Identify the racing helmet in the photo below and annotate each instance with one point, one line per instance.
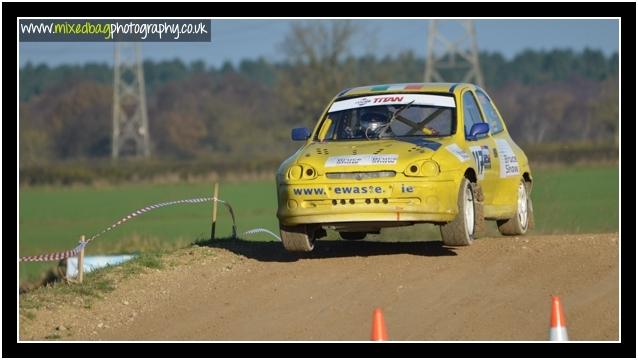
(373, 119)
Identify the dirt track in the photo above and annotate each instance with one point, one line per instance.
(497, 289)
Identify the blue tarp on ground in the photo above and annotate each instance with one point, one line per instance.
(94, 262)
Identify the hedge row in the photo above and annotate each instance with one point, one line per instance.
(107, 171)
(70, 173)
(571, 153)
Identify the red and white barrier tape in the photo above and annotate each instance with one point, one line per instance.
(57, 255)
(262, 230)
(70, 253)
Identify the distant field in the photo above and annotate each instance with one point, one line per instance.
(567, 200)
(576, 200)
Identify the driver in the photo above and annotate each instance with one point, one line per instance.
(371, 122)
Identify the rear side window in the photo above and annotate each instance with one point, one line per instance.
(471, 113)
(490, 112)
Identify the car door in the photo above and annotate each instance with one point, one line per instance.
(509, 176)
(481, 150)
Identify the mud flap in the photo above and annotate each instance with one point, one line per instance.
(479, 225)
(530, 207)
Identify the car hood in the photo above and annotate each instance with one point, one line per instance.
(375, 155)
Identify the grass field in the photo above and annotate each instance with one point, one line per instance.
(576, 200)
(566, 200)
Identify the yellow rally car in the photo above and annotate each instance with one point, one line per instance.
(400, 154)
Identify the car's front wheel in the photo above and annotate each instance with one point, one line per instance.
(299, 238)
(523, 218)
(460, 231)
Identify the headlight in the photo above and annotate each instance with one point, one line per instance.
(308, 172)
(422, 168)
(413, 170)
(303, 171)
(294, 173)
(430, 168)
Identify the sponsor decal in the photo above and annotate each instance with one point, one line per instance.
(482, 158)
(507, 158)
(458, 152)
(393, 99)
(407, 189)
(340, 190)
(487, 159)
(362, 101)
(363, 159)
(385, 99)
(308, 191)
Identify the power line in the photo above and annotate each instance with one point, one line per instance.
(130, 119)
(458, 54)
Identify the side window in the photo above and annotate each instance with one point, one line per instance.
(471, 113)
(496, 125)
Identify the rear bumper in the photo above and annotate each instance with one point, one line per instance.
(400, 201)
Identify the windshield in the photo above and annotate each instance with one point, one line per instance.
(405, 116)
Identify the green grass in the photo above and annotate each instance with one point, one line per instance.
(95, 286)
(582, 199)
(30, 315)
(53, 219)
(152, 261)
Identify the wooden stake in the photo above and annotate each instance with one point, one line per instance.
(81, 263)
(212, 227)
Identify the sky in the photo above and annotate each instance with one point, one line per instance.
(234, 40)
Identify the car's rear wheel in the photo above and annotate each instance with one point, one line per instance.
(349, 235)
(299, 238)
(460, 231)
(524, 216)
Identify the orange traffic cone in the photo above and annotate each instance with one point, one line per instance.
(379, 332)
(558, 327)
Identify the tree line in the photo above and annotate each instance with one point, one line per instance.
(245, 112)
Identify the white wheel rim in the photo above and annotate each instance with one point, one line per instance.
(522, 206)
(468, 205)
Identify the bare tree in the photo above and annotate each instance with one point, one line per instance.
(319, 42)
(317, 51)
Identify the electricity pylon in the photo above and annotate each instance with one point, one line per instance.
(444, 54)
(130, 119)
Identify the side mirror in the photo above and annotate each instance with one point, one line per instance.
(300, 134)
(478, 130)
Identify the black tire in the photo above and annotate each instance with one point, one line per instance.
(457, 232)
(352, 235)
(298, 238)
(519, 224)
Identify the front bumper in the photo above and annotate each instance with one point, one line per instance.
(406, 200)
